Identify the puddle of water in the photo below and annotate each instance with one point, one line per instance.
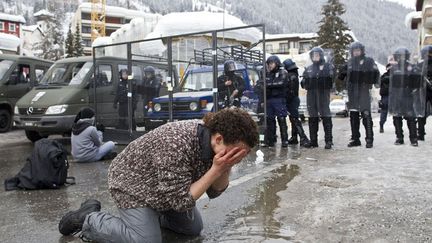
(256, 222)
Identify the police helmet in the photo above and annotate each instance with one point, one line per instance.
(229, 67)
(149, 71)
(318, 50)
(290, 65)
(426, 52)
(357, 45)
(401, 53)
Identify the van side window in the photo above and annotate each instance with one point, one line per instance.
(21, 74)
(104, 76)
(136, 72)
(40, 72)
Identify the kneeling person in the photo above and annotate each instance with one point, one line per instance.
(157, 179)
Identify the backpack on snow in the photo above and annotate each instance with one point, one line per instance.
(46, 168)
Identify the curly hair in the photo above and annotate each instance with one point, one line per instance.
(235, 125)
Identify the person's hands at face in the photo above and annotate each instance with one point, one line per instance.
(228, 155)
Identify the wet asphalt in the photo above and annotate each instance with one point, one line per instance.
(295, 195)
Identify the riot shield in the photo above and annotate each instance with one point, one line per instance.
(407, 91)
(318, 82)
(361, 73)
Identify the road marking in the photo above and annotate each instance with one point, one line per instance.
(249, 177)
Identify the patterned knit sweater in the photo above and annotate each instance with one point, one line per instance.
(157, 169)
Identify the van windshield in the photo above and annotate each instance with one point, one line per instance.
(63, 73)
(4, 67)
(198, 81)
(82, 73)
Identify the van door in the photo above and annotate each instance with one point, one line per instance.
(18, 82)
(105, 93)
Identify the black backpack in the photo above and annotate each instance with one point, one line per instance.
(46, 168)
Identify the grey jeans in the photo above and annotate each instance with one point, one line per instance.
(140, 225)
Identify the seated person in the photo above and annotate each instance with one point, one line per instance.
(86, 141)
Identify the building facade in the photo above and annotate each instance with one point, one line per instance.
(10, 33)
(115, 18)
(11, 24)
(290, 44)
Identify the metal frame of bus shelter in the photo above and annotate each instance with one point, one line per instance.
(168, 41)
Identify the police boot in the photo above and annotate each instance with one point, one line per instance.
(304, 140)
(313, 131)
(412, 128)
(421, 128)
(397, 122)
(355, 129)
(368, 124)
(328, 137)
(283, 131)
(269, 137)
(293, 139)
(381, 128)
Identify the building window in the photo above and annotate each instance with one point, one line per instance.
(12, 27)
(85, 16)
(87, 43)
(86, 30)
(2, 26)
(284, 47)
(304, 47)
(269, 48)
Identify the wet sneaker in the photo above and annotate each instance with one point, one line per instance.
(73, 221)
(354, 143)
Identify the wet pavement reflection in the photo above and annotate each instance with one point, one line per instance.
(256, 222)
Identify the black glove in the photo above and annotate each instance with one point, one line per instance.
(100, 127)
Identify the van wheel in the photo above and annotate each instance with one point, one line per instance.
(5, 121)
(33, 135)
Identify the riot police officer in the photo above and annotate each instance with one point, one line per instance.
(426, 69)
(318, 81)
(121, 99)
(276, 86)
(230, 86)
(293, 103)
(360, 73)
(150, 87)
(384, 93)
(406, 95)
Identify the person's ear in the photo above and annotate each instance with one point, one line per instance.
(219, 139)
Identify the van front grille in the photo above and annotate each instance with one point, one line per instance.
(31, 111)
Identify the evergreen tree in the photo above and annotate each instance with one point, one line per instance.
(77, 42)
(69, 43)
(51, 46)
(333, 33)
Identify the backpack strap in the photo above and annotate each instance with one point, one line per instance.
(70, 180)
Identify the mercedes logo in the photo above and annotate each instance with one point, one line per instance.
(29, 110)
